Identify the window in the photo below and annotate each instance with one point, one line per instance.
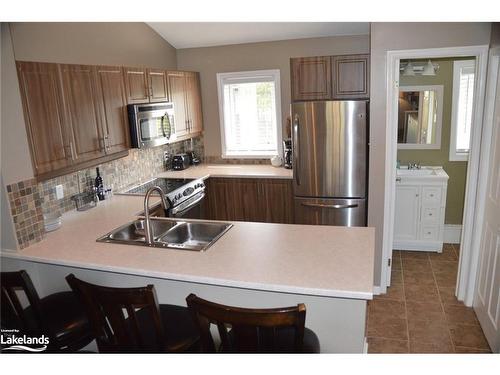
(462, 108)
(250, 114)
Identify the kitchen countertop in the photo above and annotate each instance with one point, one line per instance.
(313, 260)
(231, 170)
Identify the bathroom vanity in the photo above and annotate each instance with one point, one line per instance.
(420, 208)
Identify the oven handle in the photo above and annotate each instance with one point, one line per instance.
(181, 208)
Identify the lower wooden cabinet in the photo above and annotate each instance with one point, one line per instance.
(250, 199)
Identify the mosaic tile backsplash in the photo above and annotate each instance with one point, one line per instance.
(30, 200)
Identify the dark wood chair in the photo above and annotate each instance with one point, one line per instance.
(130, 320)
(243, 330)
(59, 316)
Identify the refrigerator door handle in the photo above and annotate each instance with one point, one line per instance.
(296, 169)
(319, 205)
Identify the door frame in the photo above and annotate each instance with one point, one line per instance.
(469, 238)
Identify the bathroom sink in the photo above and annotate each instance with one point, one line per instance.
(168, 233)
(194, 235)
(416, 172)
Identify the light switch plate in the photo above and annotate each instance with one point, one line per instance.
(59, 192)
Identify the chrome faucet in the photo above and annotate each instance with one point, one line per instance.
(412, 165)
(147, 225)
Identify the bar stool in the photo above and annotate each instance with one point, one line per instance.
(130, 320)
(59, 316)
(243, 330)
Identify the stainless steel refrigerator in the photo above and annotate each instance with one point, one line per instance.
(330, 158)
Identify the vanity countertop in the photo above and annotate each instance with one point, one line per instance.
(434, 173)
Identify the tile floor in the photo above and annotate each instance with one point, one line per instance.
(419, 313)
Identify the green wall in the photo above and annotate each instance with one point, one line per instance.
(457, 170)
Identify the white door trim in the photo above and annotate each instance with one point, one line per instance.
(468, 253)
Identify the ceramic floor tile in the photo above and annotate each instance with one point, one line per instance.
(421, 293)
(385, 327)
(425, 311)
(470, 336)
(448, 254)
(418, 277)
(447, 295)
(428, 331)
(387, 308)
(445, 279)
(396, 277)
(460, 314)
(441, 266)
(394, 292)
(462, 349)
(419, 265)
(415, 255)
(431, 348)
(382, 345)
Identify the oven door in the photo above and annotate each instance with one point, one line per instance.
(192, 208)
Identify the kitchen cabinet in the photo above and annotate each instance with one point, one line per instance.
(350, 77)
(145, 85)
(419, 212)
(44, 116)
(75, 116)
(184, 90)
(311, 78)
(111, 88)
(82, 110)
(330, 77)
(250, 199)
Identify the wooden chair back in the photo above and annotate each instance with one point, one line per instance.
(244, 330)
(13, 312)
(112, 313)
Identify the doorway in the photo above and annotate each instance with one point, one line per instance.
(428, 137)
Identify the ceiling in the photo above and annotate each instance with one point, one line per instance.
(206, 34)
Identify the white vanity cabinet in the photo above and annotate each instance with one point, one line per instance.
(420, 208)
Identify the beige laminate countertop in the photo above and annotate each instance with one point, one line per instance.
(314, 260)
(231, 170)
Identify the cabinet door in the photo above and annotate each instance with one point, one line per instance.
(177, 91)
(157, 80)
(43, 111)
(351, 77)
(406, 215)
(276, 197)
(114, 108)
(311, 78)
(193, 98)
(136, 85)
(83, 111)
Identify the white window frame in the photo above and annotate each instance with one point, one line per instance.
(457, 66)
(249, 76)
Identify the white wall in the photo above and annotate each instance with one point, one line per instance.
(398, 36)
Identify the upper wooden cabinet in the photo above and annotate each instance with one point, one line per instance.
(111, 88)
(184, 90)
(351, 76)
(145, 85)
(311, 78)
(43, 111)
(83, 112)
(330, 77)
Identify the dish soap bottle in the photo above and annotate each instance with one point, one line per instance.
(99, 186)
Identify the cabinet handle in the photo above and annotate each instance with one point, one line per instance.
(432, 195)
(337, 206)
(398, 179)
(416, 195)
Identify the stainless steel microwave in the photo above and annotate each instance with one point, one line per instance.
(151, 124)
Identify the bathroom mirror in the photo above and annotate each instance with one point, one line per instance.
(420, 111)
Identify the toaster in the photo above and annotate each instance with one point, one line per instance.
(180, 162)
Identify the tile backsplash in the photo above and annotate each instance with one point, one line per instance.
(30, 200)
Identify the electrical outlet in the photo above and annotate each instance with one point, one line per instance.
(59, 192)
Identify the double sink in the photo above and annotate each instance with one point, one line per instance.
(168, 233)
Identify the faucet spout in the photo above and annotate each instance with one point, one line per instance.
(147, 224)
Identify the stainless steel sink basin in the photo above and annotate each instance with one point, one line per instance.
(168, 233)
(194, 235)
(134, 231)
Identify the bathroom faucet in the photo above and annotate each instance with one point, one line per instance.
(147, 224)
(412, 165)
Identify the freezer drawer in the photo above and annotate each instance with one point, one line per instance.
(341, 212)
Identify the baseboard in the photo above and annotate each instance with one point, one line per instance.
(376, 290)
(365, 346)
(452, 233)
